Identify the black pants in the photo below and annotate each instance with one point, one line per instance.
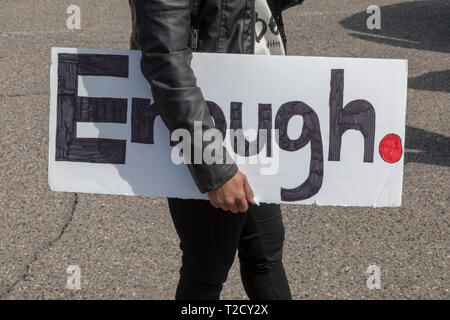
(209, 238)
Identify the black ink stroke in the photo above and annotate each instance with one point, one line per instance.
(357, 114)
(71, 109)
(310, 134)
(220, 121)
(143, 116)
(264, 122)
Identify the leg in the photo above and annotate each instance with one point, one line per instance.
(209, 238)
(260, 254)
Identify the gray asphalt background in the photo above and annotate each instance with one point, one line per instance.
(127, 247)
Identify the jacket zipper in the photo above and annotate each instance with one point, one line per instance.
(193, 43)
(194, 39)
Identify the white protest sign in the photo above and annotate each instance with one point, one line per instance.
(338, 126)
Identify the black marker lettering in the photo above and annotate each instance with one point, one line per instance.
(310, 133)
(357, 114)
(71, 108)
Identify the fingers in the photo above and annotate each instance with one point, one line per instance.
(226, 205)
(240, 205)
(248, 191)
(235, 205)
(243, 204)
(214, 204)
(233, 196)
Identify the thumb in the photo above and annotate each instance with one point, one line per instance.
(248, 191)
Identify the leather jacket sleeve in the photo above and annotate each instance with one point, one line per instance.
(162, 34)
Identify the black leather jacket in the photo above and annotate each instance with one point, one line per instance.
(166, 32)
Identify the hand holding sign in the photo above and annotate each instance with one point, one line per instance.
(234, 195)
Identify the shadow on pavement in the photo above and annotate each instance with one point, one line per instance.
(431, 147)
(423, 25)
(431, 81)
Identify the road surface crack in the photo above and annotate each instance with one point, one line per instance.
(26, 274)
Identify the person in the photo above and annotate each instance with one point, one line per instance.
(211, 232)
